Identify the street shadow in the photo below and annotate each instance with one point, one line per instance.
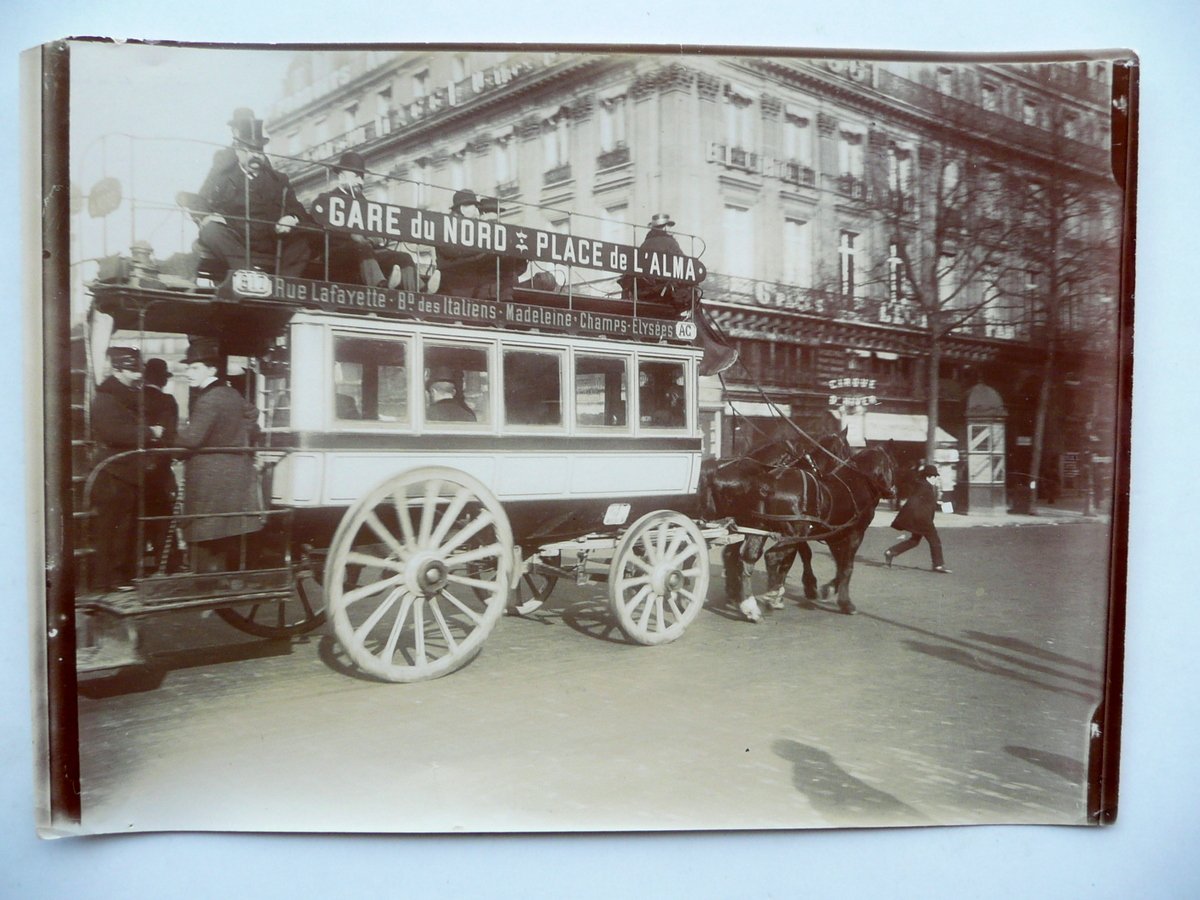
(1019, 646)
(334, 656)
(137, 679)
(835, 793)
(594, 618)
(1068, 769)
(969, 660)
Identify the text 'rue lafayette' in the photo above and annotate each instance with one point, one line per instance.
(401, 223)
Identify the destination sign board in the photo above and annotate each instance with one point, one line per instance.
(364, 300)
(401, 223)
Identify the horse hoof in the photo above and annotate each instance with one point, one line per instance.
(749, 609)
(775, 601)
(847, 609)
(825, 592)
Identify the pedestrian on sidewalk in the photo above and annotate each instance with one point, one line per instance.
(916, 517)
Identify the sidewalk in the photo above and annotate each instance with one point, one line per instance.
(1065, 512)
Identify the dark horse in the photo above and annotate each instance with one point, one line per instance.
(827, 498)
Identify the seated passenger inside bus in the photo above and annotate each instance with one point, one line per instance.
(444, 401)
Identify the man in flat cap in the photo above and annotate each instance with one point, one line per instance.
(118, 425)
(217, 483)
(248, 214)
(352, 258)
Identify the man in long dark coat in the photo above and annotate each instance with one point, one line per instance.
(651, 287)
(118, 428)
(161, 489)
(916, 517)
(216, 483)
(244, 204)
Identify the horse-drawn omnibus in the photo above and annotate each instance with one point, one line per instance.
(574, 452)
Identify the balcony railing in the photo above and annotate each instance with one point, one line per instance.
(795, 173)
(851, 186)
(617, 156)
(557, 175)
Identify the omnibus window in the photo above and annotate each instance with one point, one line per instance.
(456, 384)
(532, 388)
(661, 393)
(600, 391)
(370, 378)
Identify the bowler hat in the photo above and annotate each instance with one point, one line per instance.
(157, 372)
(929, 471)
(442, 373)
(491, 205)
(205, 350)
(249, 133)
(661, 220)
(127, 358)
(463, 198)
(351, 162)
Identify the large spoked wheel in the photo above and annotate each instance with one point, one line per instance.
(418, 574)
(280, 619)
(659, 577)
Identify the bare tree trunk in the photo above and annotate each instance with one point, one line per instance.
(1039, 424)
(934, 398)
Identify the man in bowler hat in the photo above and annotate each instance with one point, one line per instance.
(650, 287)
(465, 272)
(119, 426)
(352, 258)
(916, 517)
(248, 214)
(217, 483)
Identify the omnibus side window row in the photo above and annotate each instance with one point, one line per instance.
(371, 378)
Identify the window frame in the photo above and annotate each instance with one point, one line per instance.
(559, 351)
(689, 393)
(627, 357)
(444, 340)
(406, 339)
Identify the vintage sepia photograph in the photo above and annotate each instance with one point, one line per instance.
(543, 439)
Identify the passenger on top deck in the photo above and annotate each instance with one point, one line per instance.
(353, 258)
(248, 213)
(466, 272)
(650, 287)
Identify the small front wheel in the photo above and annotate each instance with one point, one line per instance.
(658, 580)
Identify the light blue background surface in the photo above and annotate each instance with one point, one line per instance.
(1150, 852)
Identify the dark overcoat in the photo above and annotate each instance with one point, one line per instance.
(916, 515)
(116, 427)
(263, 200)
(219, 482)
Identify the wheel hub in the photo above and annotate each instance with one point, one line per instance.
(426, 574)
(666, 580)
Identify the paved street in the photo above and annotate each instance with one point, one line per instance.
(962, 698)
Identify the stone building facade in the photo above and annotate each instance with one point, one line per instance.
(805, 185)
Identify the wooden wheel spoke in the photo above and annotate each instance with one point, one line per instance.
(470, 556)
(420, 657)
(429, 503)
(647, 608)
(351, 597)
(381, 531)
(449, 516)
(468, 531)
(671, 597)
(389, 648)
(443, 625)
(637, 598)
(462, 607)
(361, 632)
(679, 537)
(635, 580)
(405, 518)
(356, 558)
(471, 582)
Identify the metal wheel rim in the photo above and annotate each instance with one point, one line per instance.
(659, 576)
(425, 593)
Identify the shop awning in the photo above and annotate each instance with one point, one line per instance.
(901, 427)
